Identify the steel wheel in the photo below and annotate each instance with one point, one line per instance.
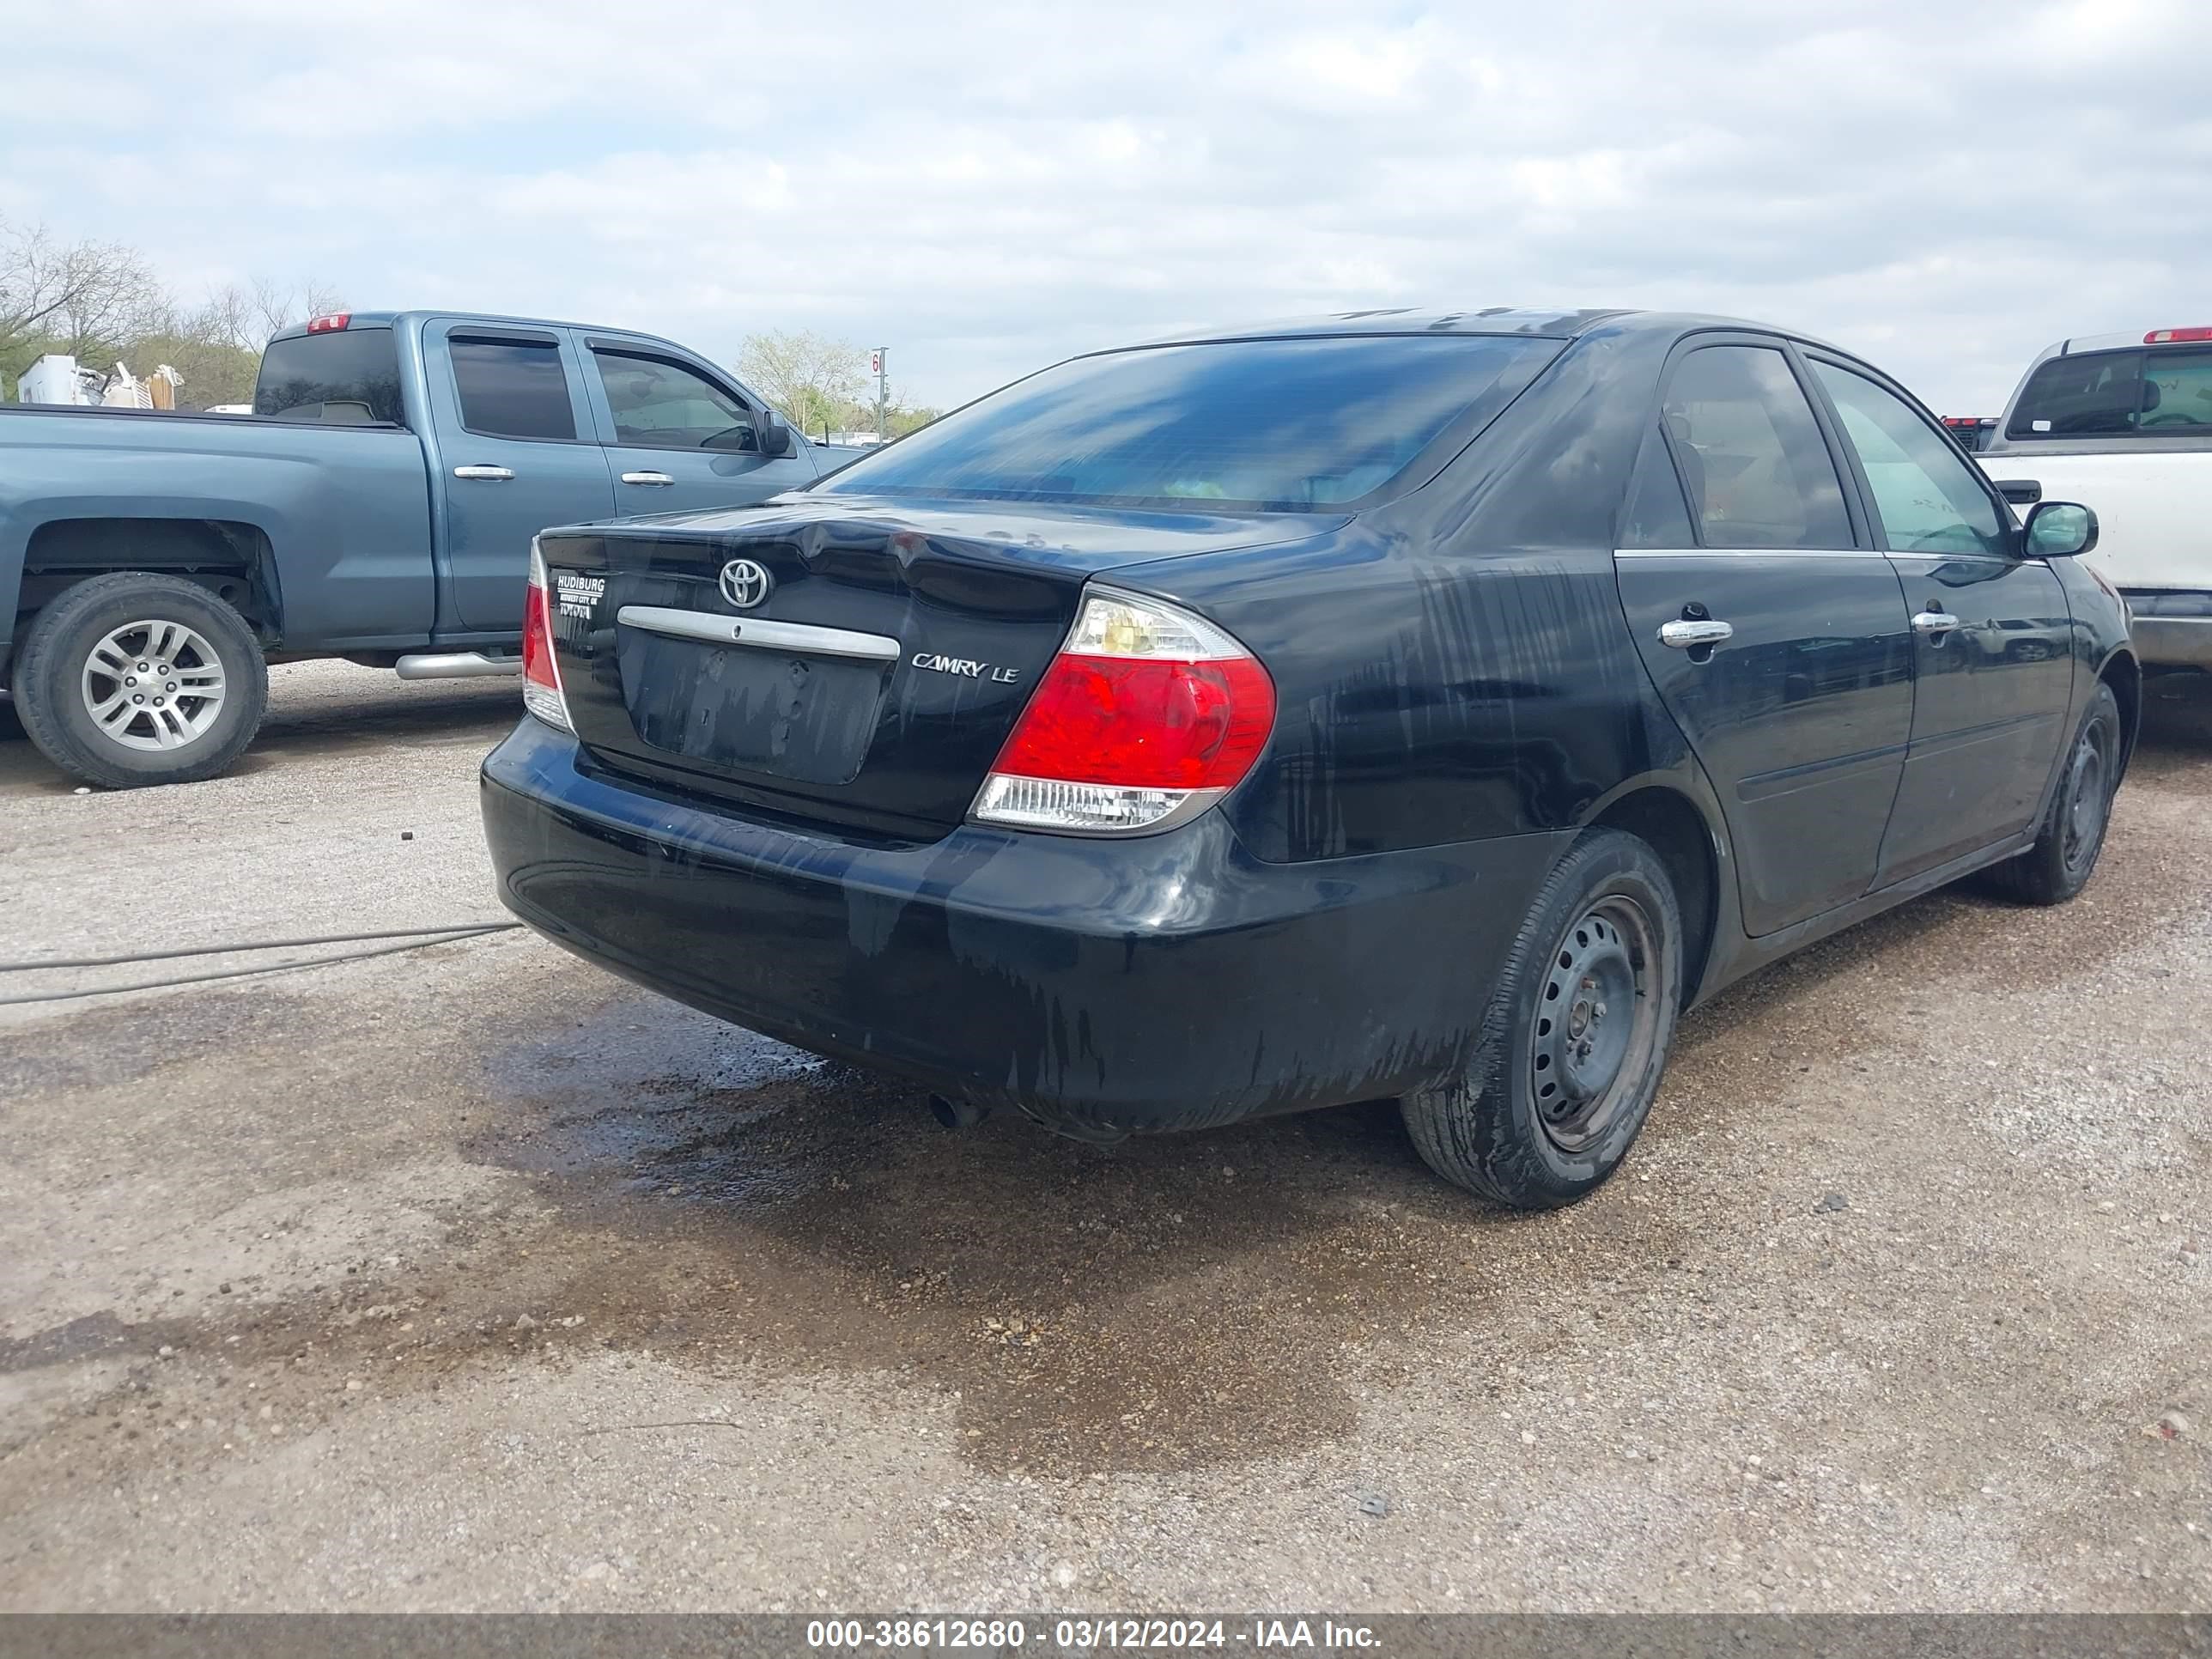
(153, 685)
(2087, 797)
(1596, 1022)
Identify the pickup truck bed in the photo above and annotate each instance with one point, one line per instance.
(378, 506)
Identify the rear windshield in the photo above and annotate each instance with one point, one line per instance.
(1280, 425)
(349, 377)
(2117, 394)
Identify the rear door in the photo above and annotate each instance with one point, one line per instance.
(1992, 632)
(679, 435)
(517, 454)
(1774, 631)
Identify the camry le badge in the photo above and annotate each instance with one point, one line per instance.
(745, 583)
(938, 663)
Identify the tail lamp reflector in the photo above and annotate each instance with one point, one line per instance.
(1147, 716)
(541, 671)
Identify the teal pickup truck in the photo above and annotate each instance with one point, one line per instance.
(377, 506)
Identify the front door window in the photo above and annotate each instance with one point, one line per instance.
(1928, 500)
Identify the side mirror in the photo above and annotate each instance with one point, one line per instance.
(773, 433)
(2060, 529)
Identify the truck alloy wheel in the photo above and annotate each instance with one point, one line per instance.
(134, 678)
(153, 684)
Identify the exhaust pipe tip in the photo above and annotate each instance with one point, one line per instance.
(955, 1114)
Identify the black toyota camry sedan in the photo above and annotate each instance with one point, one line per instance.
(1387, 705)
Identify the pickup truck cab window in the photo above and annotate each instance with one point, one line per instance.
(2177, 386)
(1758, 470)
(661, 406)
(346, 377)
(2117, 394)
(512, 388)
(1925, 497)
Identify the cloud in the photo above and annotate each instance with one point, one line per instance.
(1945, 188)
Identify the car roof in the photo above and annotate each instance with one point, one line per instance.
(1543, 321)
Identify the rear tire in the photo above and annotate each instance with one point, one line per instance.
(2064, 856)
(1574, 1040)
(130, 679)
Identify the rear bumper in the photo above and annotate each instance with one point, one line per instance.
(1105, 987)
(2170, 628)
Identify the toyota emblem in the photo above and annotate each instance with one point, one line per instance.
(745, 583)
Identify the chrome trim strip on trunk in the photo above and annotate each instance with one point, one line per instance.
(806, 638)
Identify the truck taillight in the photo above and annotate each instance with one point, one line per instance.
(541, 670)
(1146, 717)
(333, 323)
(2176, 336)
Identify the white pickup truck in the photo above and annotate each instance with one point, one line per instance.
(2123, 423)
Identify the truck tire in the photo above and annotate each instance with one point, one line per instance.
(1571, 1047)
(131, 678)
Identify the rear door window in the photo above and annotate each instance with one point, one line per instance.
(1927, 498)
(1756, 470)
(2117, 394)
(1655, 516)
(345, 377)
(659, 405)
(512, 388)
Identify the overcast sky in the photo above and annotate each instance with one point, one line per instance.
(1944, 187)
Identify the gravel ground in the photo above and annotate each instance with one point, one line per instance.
(472, 1278)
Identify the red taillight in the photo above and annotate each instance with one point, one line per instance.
(330, 324)
(1143, 724)
(2176, 336)
(541, 671)
(1147, 716)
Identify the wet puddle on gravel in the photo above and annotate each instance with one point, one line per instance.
(1147, 1305)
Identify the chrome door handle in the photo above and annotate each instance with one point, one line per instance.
(647, 478)
(1934, 623)
(484, 474)
(1688, 635)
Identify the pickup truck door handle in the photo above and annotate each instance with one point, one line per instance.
(484, 474)
(1934, 623)
(647, 478)
(1688, 635)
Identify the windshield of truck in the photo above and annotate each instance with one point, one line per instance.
(1281, 425)
(2117, 394)
(347, 377)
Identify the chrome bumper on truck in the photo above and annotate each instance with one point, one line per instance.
(2172, 628)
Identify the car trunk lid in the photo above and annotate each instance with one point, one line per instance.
(837, 660)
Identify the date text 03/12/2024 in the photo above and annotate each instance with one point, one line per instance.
(1088, 1635)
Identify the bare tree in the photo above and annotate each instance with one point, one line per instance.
(273, 306)
(100, 303)
(86, 298)
(810, 378)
